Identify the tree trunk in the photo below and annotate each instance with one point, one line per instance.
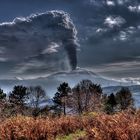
(64, 106)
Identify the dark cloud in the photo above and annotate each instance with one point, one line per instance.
(40, 43)
(108, 31)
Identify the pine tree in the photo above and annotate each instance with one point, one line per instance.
(18, 95)
(124, 98)
(2, 95)
(110, 103)
(61, 95)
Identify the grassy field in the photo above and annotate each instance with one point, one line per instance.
(92, 126)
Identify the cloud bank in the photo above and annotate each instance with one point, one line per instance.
(39, 44)
(108, 31)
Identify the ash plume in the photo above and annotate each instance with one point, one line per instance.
(39, 43)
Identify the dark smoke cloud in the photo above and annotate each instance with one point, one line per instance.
(108, 31)
(40, 43)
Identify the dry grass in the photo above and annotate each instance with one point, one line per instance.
(121, 126)
(37, 129)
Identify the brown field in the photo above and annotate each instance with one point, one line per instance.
(93, 126)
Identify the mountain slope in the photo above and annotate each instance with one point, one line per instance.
(51, 82)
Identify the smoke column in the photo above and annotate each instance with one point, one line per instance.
(28, 37)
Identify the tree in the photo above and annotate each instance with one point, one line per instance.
(112, 100)
(110, 103)
(36, 95)
(77, 99)
(124, 98)
(2, 102)
(96, 96)
(60, 98)
(18, 96)
(2, 95)
(86, 96)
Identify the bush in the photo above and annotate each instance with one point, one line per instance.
(120, 126)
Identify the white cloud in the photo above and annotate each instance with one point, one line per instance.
(19, 78)
(110, 3)
(123, 36)
(2, 59)
(131, 80)
(134, 8)
(52, 48)
(111, 21)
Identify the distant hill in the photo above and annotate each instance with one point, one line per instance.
(51, 82)
(135, 89)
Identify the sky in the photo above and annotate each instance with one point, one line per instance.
(98, 35)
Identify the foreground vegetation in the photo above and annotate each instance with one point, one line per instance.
(94, 126)
(83, 112)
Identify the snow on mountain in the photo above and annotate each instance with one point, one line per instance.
(51, 82)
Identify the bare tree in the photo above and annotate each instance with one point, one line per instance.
(86, 96)
(36, 95)
(76, 101)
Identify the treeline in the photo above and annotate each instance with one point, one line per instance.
(88, 97)
(85, 97)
